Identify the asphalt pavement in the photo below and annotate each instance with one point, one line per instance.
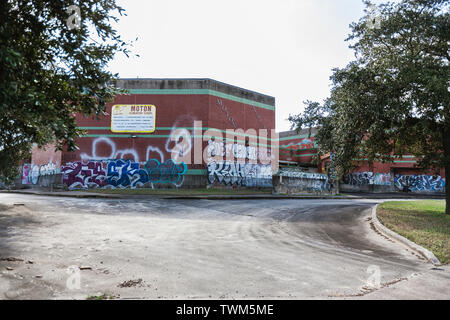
(155, 248)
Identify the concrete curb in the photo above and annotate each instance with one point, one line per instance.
(411, 245)
(174, 197)
(253, 197)
(50, 194)
(202, 197)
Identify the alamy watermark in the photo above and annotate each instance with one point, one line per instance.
(374, 17)
(74, 280)
(374, 279)
(231, 145)
(74, 20)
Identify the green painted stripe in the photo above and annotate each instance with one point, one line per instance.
(167, 136)
(243, 142)
(296, 150)
(187, 128)
(94, 128)
(304, 155)
(297, 137)
(240, 134)
(400, 161)
(203, 91)
(297, 155)
(242, 100)
(128, 135)
(157, 128)
(196, 172)
(204, 129)
(395, 161)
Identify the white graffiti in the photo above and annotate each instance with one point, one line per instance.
(117, 154)
(120, 154)
(367, 178)
(420, 183)
(303, 181)
(241, 174)
(225, 151)
(182, 140)
(94, 155)
(31, 173)
(34, 176)
(49, 169)
(183, 144)
(154, 149)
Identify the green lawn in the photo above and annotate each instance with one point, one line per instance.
(423, 222)
(182, 192)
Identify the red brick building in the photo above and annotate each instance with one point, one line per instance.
(162, 153)
(400, 175)
(149, 138)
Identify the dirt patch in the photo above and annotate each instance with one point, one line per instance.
(11, 259)
(4, 207)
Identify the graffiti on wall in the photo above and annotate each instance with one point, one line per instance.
(367, 178)
(231, 150)
(167, 172)
(239, 174)
(121, 173)
(112, 153)
(26, 170)
(84, 175)
(246, 172)
(307, 181)
(382, 179)
(420, 183)
(32, 172)
(108, 166)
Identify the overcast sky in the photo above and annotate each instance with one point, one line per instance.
(283, 48)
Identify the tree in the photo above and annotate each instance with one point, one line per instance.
(393, 99)
(53, 58)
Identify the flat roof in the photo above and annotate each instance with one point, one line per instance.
(193, 84)
(295, 133)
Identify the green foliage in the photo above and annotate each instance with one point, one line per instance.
(393, 99)
(51, 70)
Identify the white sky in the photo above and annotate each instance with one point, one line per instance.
(283, 48)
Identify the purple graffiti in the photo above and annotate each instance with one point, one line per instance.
(121, 173)
(84, 175)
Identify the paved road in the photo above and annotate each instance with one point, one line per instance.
(201, 249)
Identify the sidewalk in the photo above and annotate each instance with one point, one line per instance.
(185, 195)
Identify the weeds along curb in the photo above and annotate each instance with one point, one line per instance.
(411, 245)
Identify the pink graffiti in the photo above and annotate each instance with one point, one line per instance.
(26, 170)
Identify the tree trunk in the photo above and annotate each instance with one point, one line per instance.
(447, 168)
(447, 190)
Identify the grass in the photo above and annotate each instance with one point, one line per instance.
(101, 297)
(423, 222)
(181, 192)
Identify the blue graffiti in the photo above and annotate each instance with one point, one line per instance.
(122, 173)
(125, 173)
(166, 172)
(420, 183)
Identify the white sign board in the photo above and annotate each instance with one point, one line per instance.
(133, 118)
